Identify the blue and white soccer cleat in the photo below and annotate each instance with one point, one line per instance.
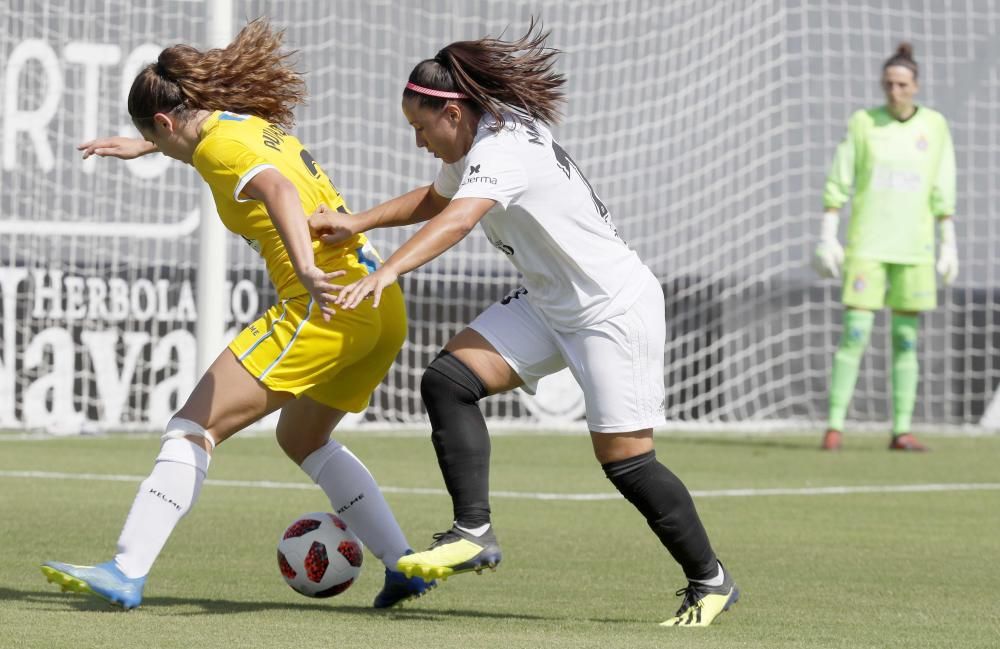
(104, 580)
(398, 588)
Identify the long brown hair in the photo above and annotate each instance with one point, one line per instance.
(495, 74)
(903, 57)
(250, 75)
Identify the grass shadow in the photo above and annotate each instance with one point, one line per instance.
(55, 600)
(807, 444)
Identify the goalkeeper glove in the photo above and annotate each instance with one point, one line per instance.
(947, 264)
(829, 253)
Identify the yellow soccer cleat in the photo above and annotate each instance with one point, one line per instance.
(702, 603)
(453, 552)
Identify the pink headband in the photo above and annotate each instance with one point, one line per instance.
(430, 92)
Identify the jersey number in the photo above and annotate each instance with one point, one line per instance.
(565, 163)
(514, 295)
(316, 170)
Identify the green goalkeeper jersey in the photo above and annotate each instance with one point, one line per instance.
(902, 174)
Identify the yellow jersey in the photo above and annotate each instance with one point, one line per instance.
(233, 149)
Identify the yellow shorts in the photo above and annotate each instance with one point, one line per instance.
(871, 285)
(337, 363)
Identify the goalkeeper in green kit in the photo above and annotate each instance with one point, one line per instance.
(899, 163)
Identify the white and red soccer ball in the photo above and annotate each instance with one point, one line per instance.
(318, 556)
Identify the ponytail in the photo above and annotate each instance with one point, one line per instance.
(250, 75)
(494, 75)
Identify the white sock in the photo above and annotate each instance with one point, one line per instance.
(163, 499)
(356, 498)
(714, 581)
(477, 531)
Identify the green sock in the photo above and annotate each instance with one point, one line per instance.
(905, 371)
(847, 360)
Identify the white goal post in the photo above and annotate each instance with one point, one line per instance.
(213, 257)
(706, 127)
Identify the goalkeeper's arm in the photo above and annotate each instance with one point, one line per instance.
(829, 255)
(947, 265)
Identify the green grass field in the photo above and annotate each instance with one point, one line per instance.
(878, 568)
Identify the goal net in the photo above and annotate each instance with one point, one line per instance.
(706, 128)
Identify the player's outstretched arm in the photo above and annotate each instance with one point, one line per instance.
(413, 207)
(443, 232)
(124, 148)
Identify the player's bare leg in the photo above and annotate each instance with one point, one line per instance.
(226, 399)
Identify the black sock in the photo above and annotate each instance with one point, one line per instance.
(666, 503)
(450, 391)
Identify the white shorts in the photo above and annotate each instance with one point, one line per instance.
(618, 362)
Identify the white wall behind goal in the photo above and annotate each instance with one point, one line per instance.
(706, 127)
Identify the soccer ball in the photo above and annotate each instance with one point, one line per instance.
(318, 556)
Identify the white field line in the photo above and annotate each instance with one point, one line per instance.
(533, 495)
(92, 226)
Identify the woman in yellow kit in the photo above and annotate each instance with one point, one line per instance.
(224, 111)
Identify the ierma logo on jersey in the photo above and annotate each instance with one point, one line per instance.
(480, 180)
(473, 170)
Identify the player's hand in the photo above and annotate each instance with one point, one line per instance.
(125, 148)
(371, 285)
(947, 263)
(828, 259)
(317, 282)
(330, 226)
(829, 255)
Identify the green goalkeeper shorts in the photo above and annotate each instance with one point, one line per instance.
(870, 284)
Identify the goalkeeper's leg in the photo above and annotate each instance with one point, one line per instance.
(905, 370)
(913, 289)
(905, 375)
(847, 360)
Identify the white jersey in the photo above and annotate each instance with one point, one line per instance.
(548, 221)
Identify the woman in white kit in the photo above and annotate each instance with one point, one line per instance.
(587, 303)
